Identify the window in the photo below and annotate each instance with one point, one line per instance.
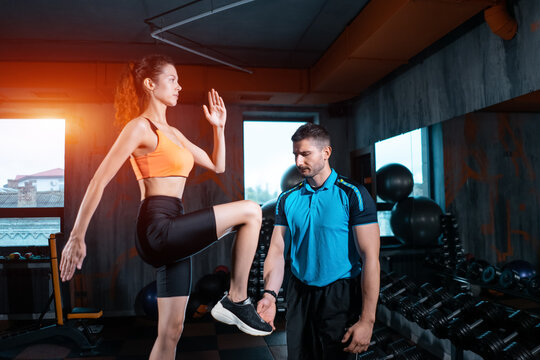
(31, 180)
(23, 232)
(411, 150)
(267, 156)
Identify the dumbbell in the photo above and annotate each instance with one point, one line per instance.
(390, 280)
(461, 267)
(411, 353)
(491, 274)
(403, 285)
(462, 333)
(533, 287)
(436, 320)
(516, 351)
(511, 279)
(435, 261)
(402, 304)
(256, 281)
(489, 343)
(476, 268)
(527, 324)
(418, 313)
(398, 350)
(385, 275)
(380, 337)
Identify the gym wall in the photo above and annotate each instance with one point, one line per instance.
(492, 169)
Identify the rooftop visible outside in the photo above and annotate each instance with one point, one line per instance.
(31, 176)
(32, 158)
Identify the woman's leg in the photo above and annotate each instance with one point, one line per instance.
(246, 215)
(173, 289)
(170, 326)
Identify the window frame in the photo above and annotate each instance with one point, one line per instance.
(428, 169)
(34, 212)
(273, 116)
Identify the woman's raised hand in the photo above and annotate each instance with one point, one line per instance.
(215, 113)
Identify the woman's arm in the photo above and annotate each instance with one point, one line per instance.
(75, 250)
(216, 114)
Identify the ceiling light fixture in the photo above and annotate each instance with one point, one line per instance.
(156, 33)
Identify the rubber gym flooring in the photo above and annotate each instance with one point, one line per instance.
(133, 337)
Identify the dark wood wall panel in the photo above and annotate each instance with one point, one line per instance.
(491, 166)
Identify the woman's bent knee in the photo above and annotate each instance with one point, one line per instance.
(254, 211)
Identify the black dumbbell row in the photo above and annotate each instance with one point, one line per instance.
(463, 334)
(490, 343)
(419, 312)
(399, 350)
(506, 279)
(466, 320)
(401, 304)
(436, 320)
(402, 285)
(516, 351)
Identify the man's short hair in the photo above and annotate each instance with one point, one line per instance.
(312, 131)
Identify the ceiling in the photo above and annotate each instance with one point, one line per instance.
(261, 33)
(295, 51)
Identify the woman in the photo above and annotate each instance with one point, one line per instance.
(162, 158)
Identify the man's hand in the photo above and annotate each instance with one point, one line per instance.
(359, 335)
(266, 307)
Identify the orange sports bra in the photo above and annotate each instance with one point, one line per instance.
(168, 159)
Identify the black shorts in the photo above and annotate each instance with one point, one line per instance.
(167, 238)
(318, 317)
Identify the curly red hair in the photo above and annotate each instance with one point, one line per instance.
(130, 98)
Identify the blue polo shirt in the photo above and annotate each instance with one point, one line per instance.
(321, 245)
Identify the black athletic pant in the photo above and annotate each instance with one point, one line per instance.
(167, 238)
(318, 317)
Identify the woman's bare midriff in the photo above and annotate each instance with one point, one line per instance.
(166, 186)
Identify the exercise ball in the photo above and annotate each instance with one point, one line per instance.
(223, 273)
(221, 269)
(149, 300)
(523, 268)
(211, 288)
(269, 209)
(417, 221)
(194, 304)
(291, 177)
(394, 182)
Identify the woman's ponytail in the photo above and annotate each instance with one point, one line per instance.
(131, 99)
(126, 99)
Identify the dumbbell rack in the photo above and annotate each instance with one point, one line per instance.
(493, 287)
(256, 275)
(440, 348)
(469, 331)
(450, 262)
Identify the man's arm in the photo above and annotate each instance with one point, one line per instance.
(368, 240)
(274, 268)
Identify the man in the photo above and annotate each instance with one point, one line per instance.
(330, 225)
